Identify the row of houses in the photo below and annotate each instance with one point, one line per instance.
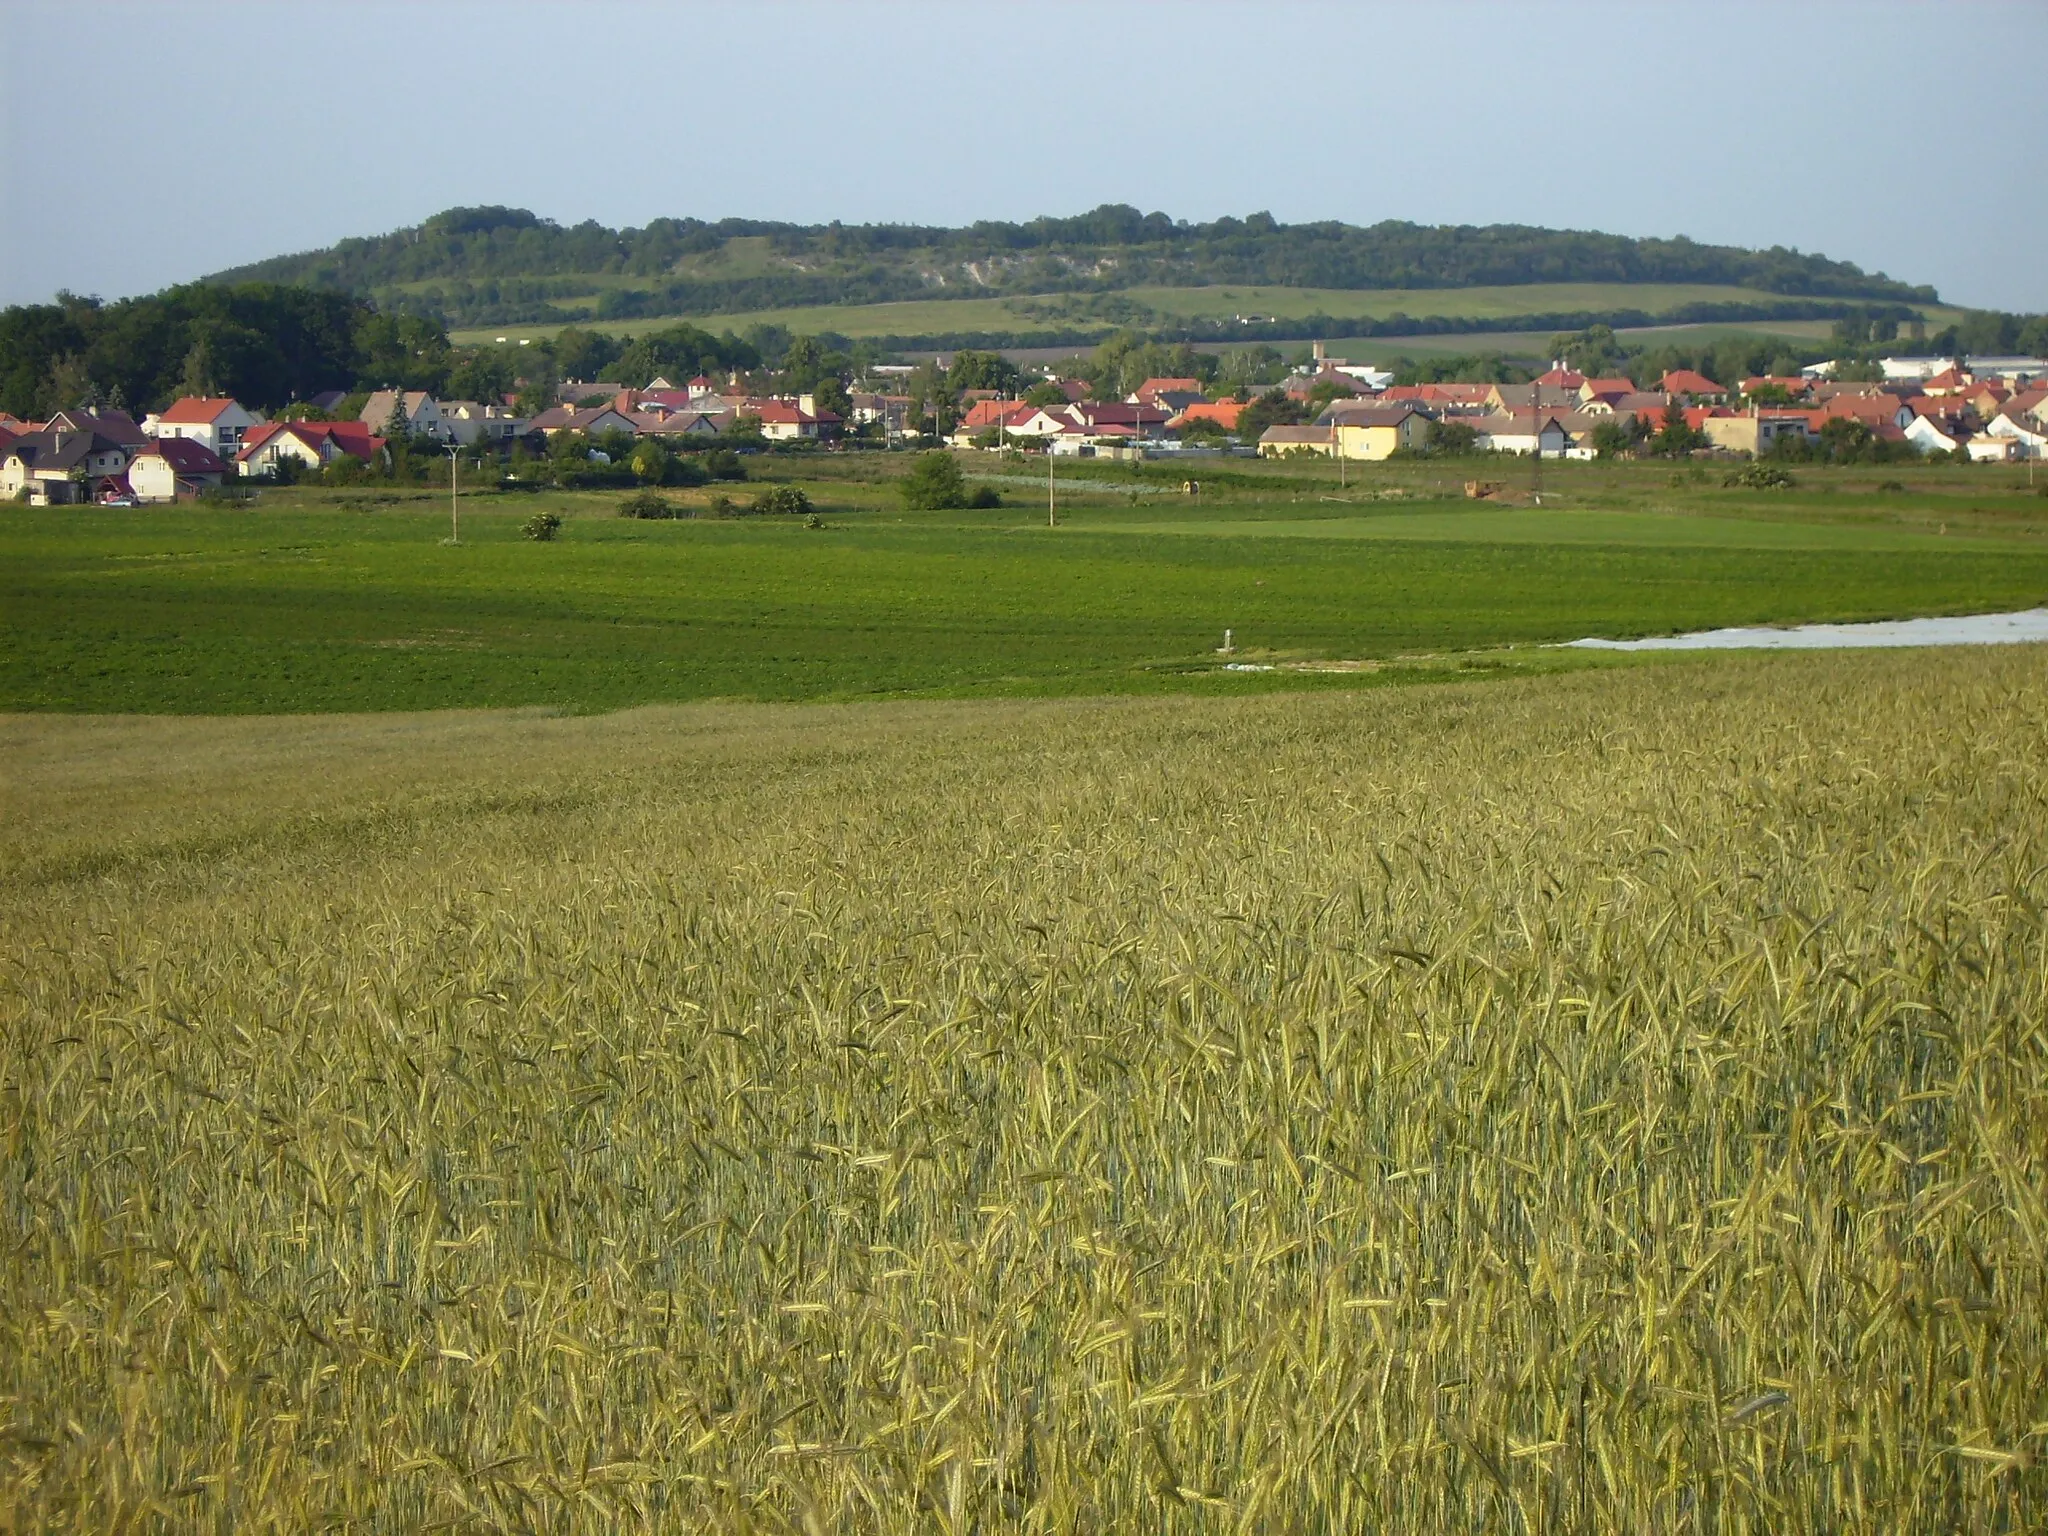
(1998, 417)
(108, 456)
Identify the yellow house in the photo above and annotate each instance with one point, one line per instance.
(1374, 431)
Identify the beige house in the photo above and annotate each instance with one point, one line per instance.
(172, 467)
(404, 411)
(1278, 442)
(1375, 431)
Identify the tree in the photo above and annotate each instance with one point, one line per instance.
(196, 379)
(1611, 440)
(933, 483)
(1674, 438)
(981, 370)
(1450, 437)
(1272, 409)
(1323, 391)
(830, 395)
(1046, 396)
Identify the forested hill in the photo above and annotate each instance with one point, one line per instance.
(492, 264)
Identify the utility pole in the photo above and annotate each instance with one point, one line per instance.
(454, 516)
(1538, 413)
(1052, 519)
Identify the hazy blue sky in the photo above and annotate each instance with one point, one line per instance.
(1907, 138)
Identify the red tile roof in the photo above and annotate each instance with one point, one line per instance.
(350, 437)
(1684, 381)
(196, 410)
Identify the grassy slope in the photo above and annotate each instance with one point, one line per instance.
(998, 314)
(322, 609)
(1605, 1103)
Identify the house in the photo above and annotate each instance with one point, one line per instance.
(2008, 370)
(1042, 422)
(1604, 391)
(327, 399)
(172, 467)
(2028, 433)
(315, 444)
(114, 426)
(1141, 420)
(681, 423)
(1279, 442)
(783, 422)
(1794, 387)
(1914, 369)
(62, 466)
(986, 414)
(1696, 386)
(891, 411)
(1448, 398)
(1375, 431)
(1935, 433)
(1561, 377)
(1755, 431)
(1872, 410)
(215, 422)
(1524, 397)
(393, 412)
(1223, 413)
(468, 421)
(1529, 430)
(592, 420)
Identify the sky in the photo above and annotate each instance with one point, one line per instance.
(1905, 138)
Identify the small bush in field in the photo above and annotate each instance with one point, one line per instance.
(542, 526)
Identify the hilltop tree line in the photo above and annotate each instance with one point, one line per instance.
(493, 264)
(266, 344)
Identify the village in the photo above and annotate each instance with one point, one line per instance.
(1966, 409)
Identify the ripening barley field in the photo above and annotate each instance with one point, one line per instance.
(1607, 1102)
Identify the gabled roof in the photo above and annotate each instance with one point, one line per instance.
(185, 456)
(1562, 378)
(60, 447)
(1295, 435)
(323, 437)
(116, 426)
(1600, 389)
(1344, 414)
(198, 410)
(1685, 381)
(1223, 412)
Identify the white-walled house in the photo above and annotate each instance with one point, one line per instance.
(467, 421)
(218, 423)
(172, 467)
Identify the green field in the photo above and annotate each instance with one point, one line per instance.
(932, 316)
(349, 601)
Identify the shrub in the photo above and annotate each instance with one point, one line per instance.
(542, 526)
(934, 483)
(724, 506)
(1891, 485)
(723, 464)
(647, 504)
(1759, 476)
(781, 500)
(984, 497)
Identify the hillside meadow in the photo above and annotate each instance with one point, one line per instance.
(1614, 1102)
(317, 600)
(1061, 311)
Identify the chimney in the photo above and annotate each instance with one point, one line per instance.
(1317, 352)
